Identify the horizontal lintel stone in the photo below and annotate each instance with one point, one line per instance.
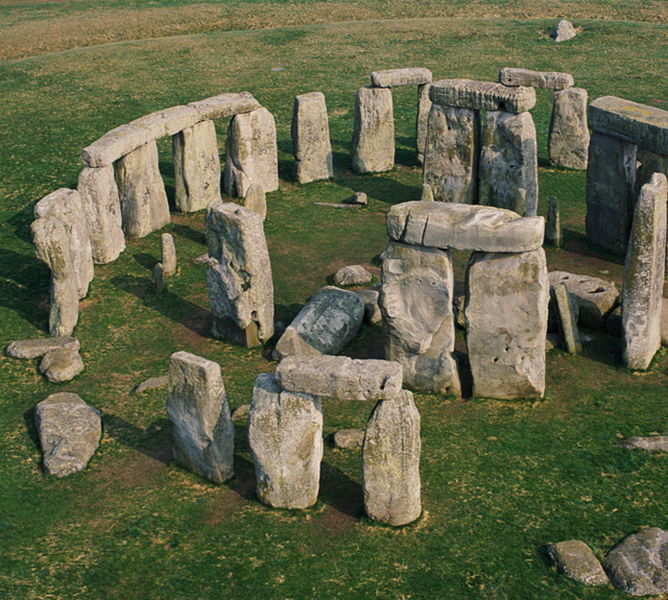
(398, 77)
(225, 105)
(539, 79)
(482, 95)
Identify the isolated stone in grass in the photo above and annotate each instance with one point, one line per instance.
(256, 200)
(399, 77)
(310, 139)
(241, 412)
(158, 278)
(553, 234)
(168, 254)
(576, 560)
(654, 443)
(373, 134)
(359, 198)
(348, 438)
(63, 364)
(352, 275)
(40, 347)
(564, 31)
(372, 312)
(154, 383)
(568, 142)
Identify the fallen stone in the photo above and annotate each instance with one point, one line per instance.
(203, 259)
(399, 77)
(655, 443)
(553, 316)
(36, 348)
(154, 383)
(564, 31)
(168, 252)
(310, 139)
(357, 198)
(158, 278)
(576, 560)
(537, 79)
(63, 364)
(352, 275)
(256, 200)
(422, 121)
(482, 95)
(595, 297)
(373, 134)
(567, 319)
(553, 235)
(241, 412)
(69, 433)
(225, 105)
(568, 142)
(372, 312)
(348, 438)
(427, 194)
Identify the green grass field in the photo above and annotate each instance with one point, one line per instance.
(501, 480)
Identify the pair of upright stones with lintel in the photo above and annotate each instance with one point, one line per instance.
(507, 293)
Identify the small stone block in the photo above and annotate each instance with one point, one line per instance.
(576, 560)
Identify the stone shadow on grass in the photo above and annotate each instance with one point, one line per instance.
(189, 233)
(146, 260)
(154, 441)
(340, 492)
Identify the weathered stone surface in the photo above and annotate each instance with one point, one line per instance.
(63, 306)
(372, 312)
(310, 139)
(553, 235)
(202, 259)
(567, 319)
(348, 438)
(391, 462)
(372, 148)
(655, 443)
(256, 200)
(359, 198)
(564, 31)
(158, 278)
(417, 287)
(225, 105)
(239, 272)
(168, 252)
(638, 565)
(398, 77)
(102, 208)
(340, 377)
(352, 275)
(285, 437)
(482, 95)
(422, 120)
(509, 162)
(144, 203)
(452, 151)
(196, 167)
(153, 383)
(241, 412)
(427, 195)
(576, 560)
(63, 364)
(167, 122)
(506, 323)
(568, 142)
(539, 79)
(69, 433)
(611, 174)
(202, 430)
(330, 319)
(251, 153)
(462, 227)
(37, 348)
(644, 270)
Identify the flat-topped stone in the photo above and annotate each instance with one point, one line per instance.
(482, 95)
(643, 125)
(464, 227)
(37, 348)
(225, 105)
(398, 77)
(549, 80)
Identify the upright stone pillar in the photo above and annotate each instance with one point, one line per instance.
(310, 139)
(422, 120)
(568, 143)
(373, 134)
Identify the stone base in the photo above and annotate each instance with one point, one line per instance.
(227, 329)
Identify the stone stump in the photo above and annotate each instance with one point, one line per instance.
(373, 134)
(168, 253)
(310, 139)
(568, 142)
(422, 120)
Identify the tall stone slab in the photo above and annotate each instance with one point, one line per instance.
(373, 134)
(416, 296)
(144, 205)
(239, 282)
(252, 153)
(196, 167)
(644, 271)
(202, 429)
(509, 163)
(568, 142)
(310, 139)
(391, 462)
(451, 154)
(507, 298)
(422, 120)
(285, 438)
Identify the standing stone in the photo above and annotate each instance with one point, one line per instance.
(648, 164)
(310, 139)
(168, 251)
(158, 278)
(568, 143)
(644, 270)
(256, 200)
(564, 31)
(422, 120)
(241, 291)
(566, 318)
(202, 430)
(102, 207)
(506, 323)
(451, 154)
(416, 295)
(553, 234)
(391, 461)
(373, 135)
(285, 438)
(508, 162)
(251, 153)
(144, 203)
(196, 167)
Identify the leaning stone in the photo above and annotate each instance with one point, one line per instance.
(256, 200)
(427, 194)
(37, 348)
(154, 383)
(63, 364)
(328, 322)
(566, 319)
(464, 227)
(399, 77)
(348, 438)
(202, 430)
(482, 95)
(352, 275)
(225, 105)
(373, 135)
(168, 252)
(372, 312)
(538, 79)
(638, 565)
(576, 560)
(568, 142)
(340, 377)
(553, 235)
(158, 278)
(422, 121)
(241, 412)
(644, 271)
(655, 443)
(564, 31)
(69, 433)
(357, 198)
(285, 438)
(391, 462)
(310, 139)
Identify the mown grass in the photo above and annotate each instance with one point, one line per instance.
(500, 480)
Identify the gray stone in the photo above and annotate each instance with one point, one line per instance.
(225, 105)
(427, 194)
(576, 560)
(352, 275)
(63, 306)
(167, 122)
(158, 278)
(482, 95)
(102, 207)
(63, 364)
(372, 312)
(391, 462)
(508, 162)
(568, 142)
(373, 135)
(37, 348)
(553, 313)
(564, 31)
(348, 438)
(417, 287)
(239, 281)
(644, 270)
(202, 259)
(144, 203)
(196, 167)
(422, 121)
(330, 319)
(464, 227)
(202, 430)
(357, 198)
(285, 438)
(241, 412)
(340, 377)
(452, 151)
(310, 139)
(638, 565)
(567, 319)
(538, 79)
(168, 252)
(655, 443)
(459, 305)
(399, 77)
(506, 323)
(256, 200)
(69, 433)
(153, 383)
(553, 235)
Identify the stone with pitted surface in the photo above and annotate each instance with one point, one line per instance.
(63, 364)
(225, 105)
(256, 200)
(539, 79)
(37, 348)
(310, 139)
(373, 134)
(398, 77)
(482, 95)
(576, 560)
